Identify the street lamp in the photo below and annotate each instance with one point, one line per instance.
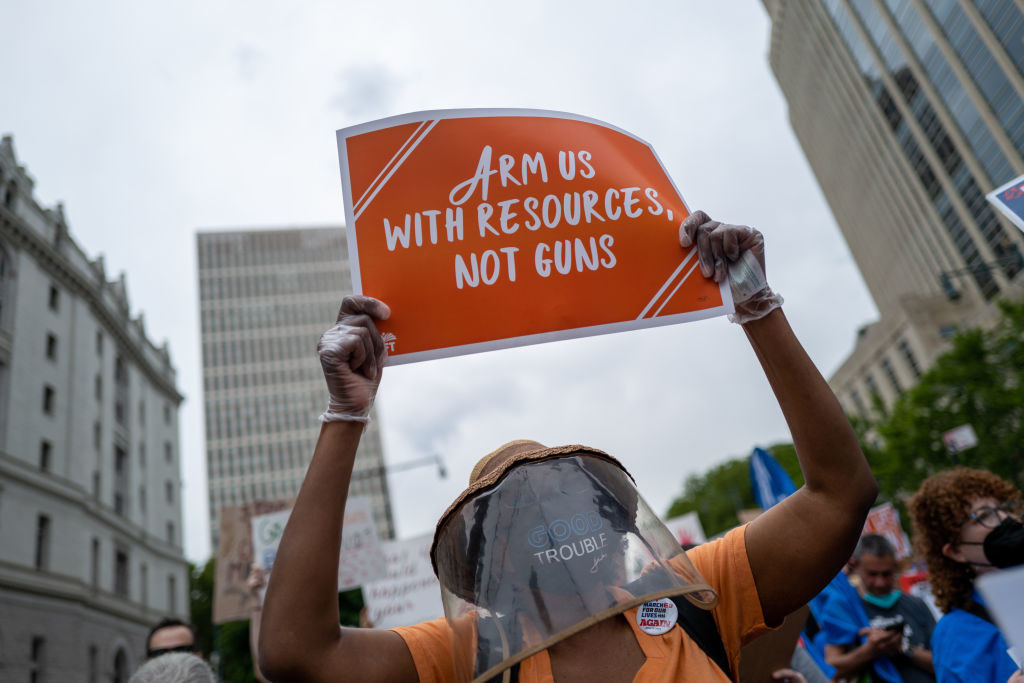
(419, 462)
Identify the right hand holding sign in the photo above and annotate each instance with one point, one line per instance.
(736, 252)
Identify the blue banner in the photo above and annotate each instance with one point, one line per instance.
(771, 483)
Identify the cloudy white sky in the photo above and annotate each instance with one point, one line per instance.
(152, 120)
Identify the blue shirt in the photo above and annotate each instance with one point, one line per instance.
(968, 649)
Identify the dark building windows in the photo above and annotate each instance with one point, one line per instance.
(42, 558)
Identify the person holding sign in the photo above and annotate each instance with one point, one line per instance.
(552, 566)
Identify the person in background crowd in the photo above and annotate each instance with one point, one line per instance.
(174, 667)
(967, 523)
(757, 573)
(881, 632)
(170, 635)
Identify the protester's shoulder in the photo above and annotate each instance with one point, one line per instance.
(434, 628)
(957, 627)
(432, 644)
(720, 552)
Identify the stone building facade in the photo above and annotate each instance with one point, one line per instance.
(90, 486)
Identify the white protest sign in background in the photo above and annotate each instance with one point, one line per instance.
(362, 558)
(1004, 597)
(266, 535)
(687, 529)
(410, 593)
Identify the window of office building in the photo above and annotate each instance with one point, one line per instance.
(872, 385)
(49, 398)
(42, 559)
(45, 450)
(172, 594)
(94, 567)
(51, 346)
(120, 390)
(121, 572)
(890, 374)
(53, 300)
(120, 667)
(120, 480)
(94, 664)
(908, 355)
(37, 660)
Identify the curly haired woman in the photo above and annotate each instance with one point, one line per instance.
(967, 523)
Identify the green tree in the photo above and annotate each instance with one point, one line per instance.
(721, 492)
(977, 382)
(231, 640)
(200, 597)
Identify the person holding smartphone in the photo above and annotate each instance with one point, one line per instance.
(882, 634)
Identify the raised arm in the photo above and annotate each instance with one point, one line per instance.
(300, 637)
(797, 546)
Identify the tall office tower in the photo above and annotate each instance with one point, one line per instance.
(265, 297)
(909, 112)
(90, 493)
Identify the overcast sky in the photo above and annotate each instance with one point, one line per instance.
(152, 120)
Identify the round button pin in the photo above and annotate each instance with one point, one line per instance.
(657, 616)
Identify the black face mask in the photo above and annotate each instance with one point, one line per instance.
(1004, 546)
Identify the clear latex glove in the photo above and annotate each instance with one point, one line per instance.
(735, 252)
(352, 355)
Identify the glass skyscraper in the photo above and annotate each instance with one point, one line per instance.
(909, 112)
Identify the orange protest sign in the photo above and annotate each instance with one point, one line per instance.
(485, 229)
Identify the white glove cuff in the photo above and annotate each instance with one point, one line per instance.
(756, 307)
(331, 415)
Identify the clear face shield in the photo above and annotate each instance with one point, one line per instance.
(545, 547)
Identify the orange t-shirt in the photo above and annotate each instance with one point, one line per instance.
(672, 657)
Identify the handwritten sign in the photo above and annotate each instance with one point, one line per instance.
(361, 558)
(409, 593)
(1009, 199)
(884, 520)
(492, 228)
(231, 597)
(266, 536)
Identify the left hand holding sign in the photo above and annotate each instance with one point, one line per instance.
(736, 253)
(352, 355)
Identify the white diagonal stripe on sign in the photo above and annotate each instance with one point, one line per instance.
(676, 289)
(665, 286)
(395, 167)
(388, 165)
